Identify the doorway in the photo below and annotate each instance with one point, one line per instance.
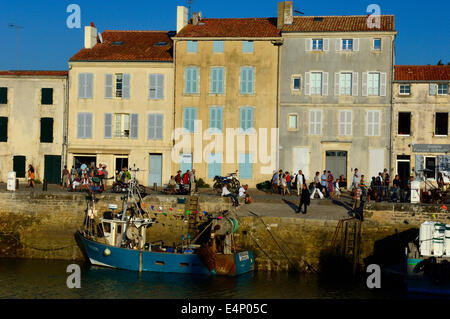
(155, 172)
(403, 169)
(336, 162)
(84, 159)
(119, 163)
(52, 169)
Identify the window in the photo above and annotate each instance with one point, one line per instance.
(377, 44)
(217, 80)
(345, 122)
(247, 80)
(191, 80)
(296, 83)
(218, 46)
(373, 123)
(121, 125)
(246, 119)
(316, 83)
(119, 82)
(84, 125)
(190, 115)
(405, 89)
(3, 95)
(85, 85)
(215, 119)
(430, 167)
(156, 87)
(347, 44)
(46, 130)
(404, 123)
(155, 126)
(373, 84)
(245, 166)
(214, 165)
(317, 44)
(192, 46)
(46, 96)
(315, 122)
(346, 84)
(442, 89)
(117, 85)
(19, 166)
(247, 46)
(441, 125)
(3, 129)
(292, 122)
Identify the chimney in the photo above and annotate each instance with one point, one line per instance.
(90, 36)
(182, 17)
(285, 14)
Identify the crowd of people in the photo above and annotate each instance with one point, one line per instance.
(183, 183)
(89, 178)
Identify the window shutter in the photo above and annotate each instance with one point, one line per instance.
(194, 80)
(376, 123)
(3, 95)
(308, 44)
(187, 115)
(325, 83)
(134, 129)
(250, 80)
(150, 127)
(383, 78)
(319, 123)
(88, 125)
(108, 125)
(432, 89)
(341, 122)
(355, 83)
(89, 85)
(307, 83)
(419, 166)
(46, 130)
(312, 120)
(160, 86)
(364, 83)
(221, 75)
(356, 44)
(349, 123)
(369, 123)
(81, 85)
(152, 86)
(219, 119)
(188, 80)
(81, 132)
(159, 126)
(212, 118)
(326, 44)
(242, 119)
(336, 83)
(338, 44)
(249, 118)
(243, 81)
(126, 86)
(108, 86)
(3, 129)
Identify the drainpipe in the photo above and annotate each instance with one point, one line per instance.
(174, 99)
(66, 118)
(278, 43)
(391, 169)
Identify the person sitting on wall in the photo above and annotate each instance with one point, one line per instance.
(75, 182)
(172, 185)
(226, 193)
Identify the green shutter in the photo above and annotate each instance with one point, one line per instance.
(3, 129)
(46, 130)
(47, 96)
(19, 166)
(3, 95)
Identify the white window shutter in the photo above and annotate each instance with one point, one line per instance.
(82, 85)
(311, 122)
(89, 85)
(159, 123)
(338, 44)
(108, 125)
(349, 123)
(369, 125)
(80, 125)
(307, 83)
(308, 44)
(326, 44)
(376, 123)
(134, 126)
(160, 86)
(356, 44)
(383, 87)
(341, 122)
(150, 129)
(355, 83)
(319, 123)
(336, 83)
(88, 125)
(126, 86)
(108, 86)
(364, 83)
(432, 89)
(151, 86)
(325, 83)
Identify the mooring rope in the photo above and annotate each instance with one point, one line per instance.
(32, 247)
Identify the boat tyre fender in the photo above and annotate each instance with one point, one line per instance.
(420, 267)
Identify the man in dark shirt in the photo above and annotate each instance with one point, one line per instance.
(395, 188)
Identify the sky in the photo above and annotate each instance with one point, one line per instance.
(46, 43)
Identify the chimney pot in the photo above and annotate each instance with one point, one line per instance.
(285, 14)
(90, 36)
(182, 17)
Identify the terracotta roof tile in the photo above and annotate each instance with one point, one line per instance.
(422, 73)
(136, 46)
(232, 27)
(34, 73)
(338, 24)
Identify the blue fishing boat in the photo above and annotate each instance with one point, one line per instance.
(119, 241)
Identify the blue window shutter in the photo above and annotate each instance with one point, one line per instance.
(81, 85)
(134, 129)
(190, 115)
(212, 118)
(187, 81)
(247, 46)
(88, 125)
(108, 125)
(193, 118)
(242, 119)
(81, 132)
(249, 118)
(250, 80)
(211, 166)
(194, 80)
(243, 81)
(108, 86)
(213, 80)
(221, 80)
(160, 86)
(126, 86)
(152, 86)
(159, 126)
(219, 117)
(218, 46)
(89, 85)
(192, 46)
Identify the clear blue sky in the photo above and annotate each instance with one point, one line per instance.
(46, 43)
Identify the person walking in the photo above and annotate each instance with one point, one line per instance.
(316, 186)
(284, 185)
(280, 176)
(356, 178)
(323, 183)
(288, 182)
(300, 180)
(337, 190)
(330, 186)
(274, 182)
(65, 177)
(30, 176)
(305, 200)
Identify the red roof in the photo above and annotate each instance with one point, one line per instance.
(232, 27)
(422, 73)
(145, 46)
(34, 73)
(338, 24)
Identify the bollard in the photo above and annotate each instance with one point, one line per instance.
(155, 186)
(17, 183)
(44, 185)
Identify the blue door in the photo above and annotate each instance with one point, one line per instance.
(186, 163)
(155, 172)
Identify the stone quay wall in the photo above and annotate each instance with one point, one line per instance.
(43, 226)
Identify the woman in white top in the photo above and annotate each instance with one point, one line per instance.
(226, 193)
(337, 191)
(284, 185)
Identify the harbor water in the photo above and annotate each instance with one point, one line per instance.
(42, 279)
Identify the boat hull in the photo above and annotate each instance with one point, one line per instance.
(114, 257)
(420, 283)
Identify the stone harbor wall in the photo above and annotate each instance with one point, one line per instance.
(43, 226)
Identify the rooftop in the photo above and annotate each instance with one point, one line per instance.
(422, 73)
(33, 73)
(136, 46)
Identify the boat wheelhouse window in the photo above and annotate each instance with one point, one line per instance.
(161, 263)
(106, 227)
(119, 229)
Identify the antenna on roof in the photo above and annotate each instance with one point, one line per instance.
(299, 12)
(11, 25)
(189, 7)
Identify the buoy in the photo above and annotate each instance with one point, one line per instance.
(107, 252)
